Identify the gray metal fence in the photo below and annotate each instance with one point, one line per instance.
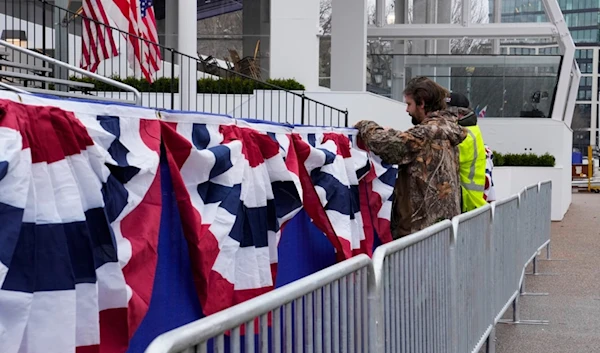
(413, 278)
(441, 290)
(507, 266)
(473, 317)
(325, 312)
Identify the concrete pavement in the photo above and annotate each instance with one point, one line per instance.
(573, 306)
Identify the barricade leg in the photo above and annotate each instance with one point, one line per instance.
(535, 269)
(516, 320)
(524, 293)
(548, 253)
(490, 345)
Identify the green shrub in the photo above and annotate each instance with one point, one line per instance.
(523, 160)
(237, 85)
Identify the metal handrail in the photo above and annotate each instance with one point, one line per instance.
(13, 88)
(108, 81)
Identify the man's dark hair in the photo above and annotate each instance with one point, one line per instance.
(424, 90)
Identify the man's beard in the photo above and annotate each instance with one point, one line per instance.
(414, 121)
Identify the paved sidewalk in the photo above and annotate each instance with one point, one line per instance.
(573, 306)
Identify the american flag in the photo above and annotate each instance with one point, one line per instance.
(98, 41)
(134, 17)
(150, 52)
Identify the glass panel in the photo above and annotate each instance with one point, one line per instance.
(585, 82)
(585, 66)
(370, 11)
(581, 139)
(582, 117)
(390, 11)
(325, 62)
(514, 11)
(506, 86)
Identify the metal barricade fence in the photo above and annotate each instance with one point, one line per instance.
(473, 278)
(440, 290)
(323, 312)
(413, 277)
(526, 226)
(534, 235)
(545, 207)
(507, 268)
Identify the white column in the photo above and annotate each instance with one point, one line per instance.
(188, 44)
(497, 19)
(294, 42)
(349, 45)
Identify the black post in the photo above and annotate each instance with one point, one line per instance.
(173, 79)
(302, 109)
(346, 121)
(43, 29)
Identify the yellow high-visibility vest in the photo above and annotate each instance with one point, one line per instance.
(472, 169)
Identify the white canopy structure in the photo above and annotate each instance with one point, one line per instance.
(431, 32)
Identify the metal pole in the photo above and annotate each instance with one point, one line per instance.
(173, 80)
(346, 118)
(61, 42)
(302, 110)
(44, 28)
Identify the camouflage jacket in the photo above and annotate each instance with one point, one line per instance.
(427, 189)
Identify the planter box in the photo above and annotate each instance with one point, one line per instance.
(511, 180)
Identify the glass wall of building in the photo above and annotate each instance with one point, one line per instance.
(496, 85)
(233, 30)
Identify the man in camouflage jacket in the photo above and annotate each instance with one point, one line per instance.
(427, 189)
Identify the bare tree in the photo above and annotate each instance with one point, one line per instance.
(218, 34)
(325, 17)
(325, 43)
(479, 14)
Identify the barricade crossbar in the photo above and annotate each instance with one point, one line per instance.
(442, 289)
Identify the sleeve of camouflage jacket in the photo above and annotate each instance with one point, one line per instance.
(393, 146)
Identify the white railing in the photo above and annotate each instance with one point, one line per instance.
(442, 289)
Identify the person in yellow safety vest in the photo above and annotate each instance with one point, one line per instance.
(471, 154)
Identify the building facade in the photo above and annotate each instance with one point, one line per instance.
(583, 19)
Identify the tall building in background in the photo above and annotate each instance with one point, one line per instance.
(583, 19)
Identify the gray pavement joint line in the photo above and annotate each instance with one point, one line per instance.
(524, 322)
(543, 274)
(534, 294)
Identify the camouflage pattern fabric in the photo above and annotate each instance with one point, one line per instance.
(427, 189)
